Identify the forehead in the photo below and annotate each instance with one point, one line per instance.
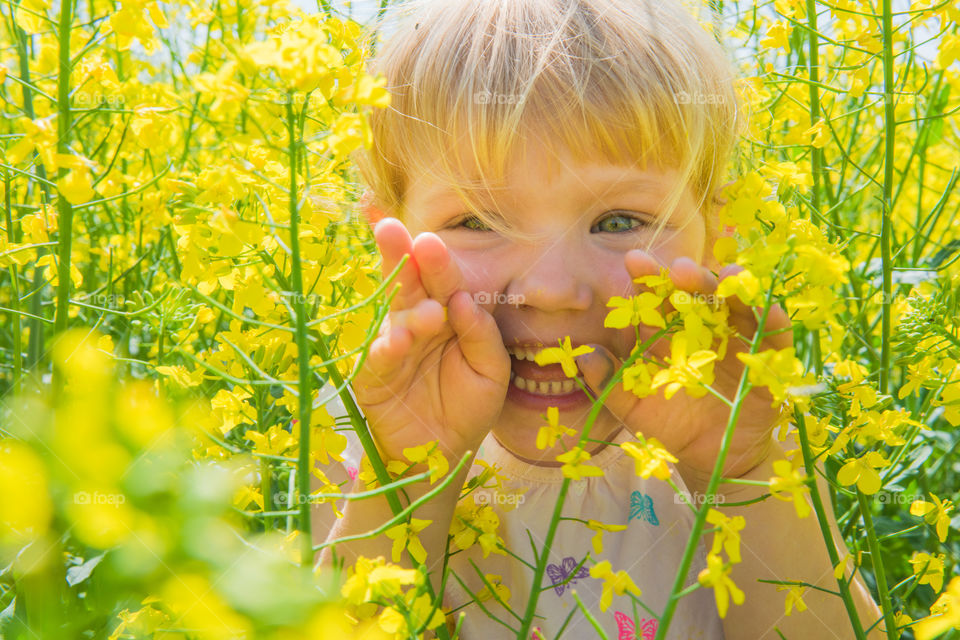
(537, 169)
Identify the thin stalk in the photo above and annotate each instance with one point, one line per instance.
(565, 486)
(64, 208)
(876, 558)
(15, 293)
(305, 399)
(694, 538)
(810, 468)
(890, 126)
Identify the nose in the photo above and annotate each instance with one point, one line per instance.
(553, 277)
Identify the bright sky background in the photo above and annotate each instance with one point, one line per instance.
(364, 10)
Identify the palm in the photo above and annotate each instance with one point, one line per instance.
(705, 419)
(426, 400)
(438, 370)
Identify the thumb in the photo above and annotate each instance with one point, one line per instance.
(598, 369)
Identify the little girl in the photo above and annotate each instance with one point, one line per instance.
(538, 157)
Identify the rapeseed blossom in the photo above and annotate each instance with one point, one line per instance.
(650, 457)
(565, 354)
(717, 576)
(613, 583)
(934, 513)
(404, 536)
(548, 435)
(573, 464)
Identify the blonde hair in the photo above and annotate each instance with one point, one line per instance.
(623, 81)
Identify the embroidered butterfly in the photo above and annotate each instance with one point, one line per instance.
(559, 574)
(641, 508)
(627, 630)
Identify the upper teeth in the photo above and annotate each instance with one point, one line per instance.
(524, 353)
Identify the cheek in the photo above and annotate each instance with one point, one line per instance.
(479, 273)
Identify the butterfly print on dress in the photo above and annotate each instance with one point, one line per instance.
(641, 508)
(559, 574)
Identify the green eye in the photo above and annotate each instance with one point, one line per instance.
(473, 223)
(619, 223)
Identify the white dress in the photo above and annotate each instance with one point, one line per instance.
(649, 549)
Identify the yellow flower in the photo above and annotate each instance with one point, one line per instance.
(792, 481)
(474, 524)
(374, 578)
(650, 457)
(564, 354)
(794, 597)
(573, 466)
(661, 284)
(275, 441)
(619, 583)
(548, 435)
(945, 613)
(685, 372)
(936, 512)
(862, 472)
(404, 536)
(599, 527)
(928, 569)
(26, 509)
(717, 575)
(776, 370)
(778, 36)
(501, 590)
(431, 454)
(632, 311)
(727, 534)
(638, 378)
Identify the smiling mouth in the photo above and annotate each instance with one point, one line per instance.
(527, 375)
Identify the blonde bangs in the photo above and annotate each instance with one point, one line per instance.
(629, 82)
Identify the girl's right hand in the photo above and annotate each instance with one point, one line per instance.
(426, 377)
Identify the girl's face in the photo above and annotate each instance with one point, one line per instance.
(586, 216)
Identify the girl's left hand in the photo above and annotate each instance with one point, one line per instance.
(692, 428)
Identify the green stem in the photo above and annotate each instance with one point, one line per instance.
(558, 506)
(305, 399)
(890, 125)
(694, 538)
(808, 464)
(64, 208)
(875, 554)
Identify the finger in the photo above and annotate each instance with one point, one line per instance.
(385, 357)
(744, 317)
(479, 337)
(394, 242)
(597, 369)
(439, 274)
(400, 334)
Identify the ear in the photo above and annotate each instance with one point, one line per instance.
(369, 209)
